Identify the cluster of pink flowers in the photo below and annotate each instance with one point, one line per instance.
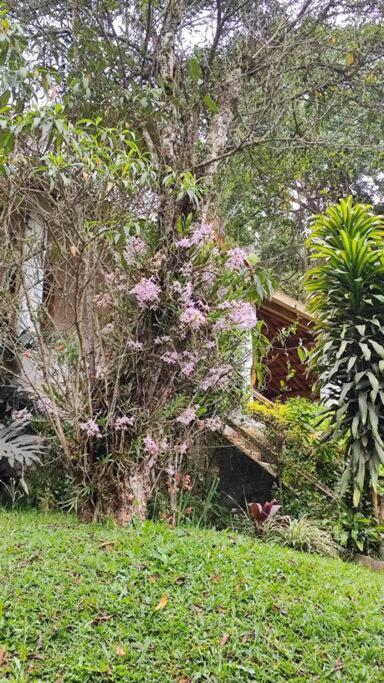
(123, 422)
(23, 415)
(241, 315)
(188, 415)
(147, 292)
(192, 317)
(170, 357)
(202, 234)
(188, 363)
(236, 258)
(153, 447)
(115, 279)
(150, 445)
(135, 345)
(183, 448)
(90, 427)
(135, 247)
(214, 424)
(217, 378)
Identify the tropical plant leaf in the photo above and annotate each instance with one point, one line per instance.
(19, 448)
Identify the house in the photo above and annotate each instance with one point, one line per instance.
(289, 327)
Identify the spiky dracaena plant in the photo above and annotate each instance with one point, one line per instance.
(346, 295)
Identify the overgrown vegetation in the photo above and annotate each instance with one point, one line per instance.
(309, 468)
(87, 603)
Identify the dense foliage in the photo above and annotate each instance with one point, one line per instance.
(309, 468)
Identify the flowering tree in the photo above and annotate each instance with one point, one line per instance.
(137, 331)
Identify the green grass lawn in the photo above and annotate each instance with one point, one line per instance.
(92, 603)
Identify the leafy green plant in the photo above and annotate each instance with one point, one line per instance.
(300, 534)
(308, 467)
(346, 296)
(19, 448)
(354, 531)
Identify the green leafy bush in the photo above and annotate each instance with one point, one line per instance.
(353, 531)
(309, 468)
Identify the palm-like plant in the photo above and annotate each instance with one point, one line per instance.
(18, 448)
(346, 295)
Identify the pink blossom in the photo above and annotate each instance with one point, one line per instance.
(146, 292)
(170, 357)
(236, 258)
(90, 427)
(193, 317)
(161, 340)
(150, 445)
(208, 277)
(241, 315)
(134, 248)
(183, 448)
(184, 242)
(163, 445)
(121, 423)
(21, 415)
(214, 424)
(188, 415)
(217, 377)
(135, 345)
(188, 363)
(113, 279)
(201, 235)
(188, 368)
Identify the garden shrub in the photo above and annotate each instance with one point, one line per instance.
(309, 469)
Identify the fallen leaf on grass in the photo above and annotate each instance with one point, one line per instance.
(3, 657)
(120, 652)
(339, 664)
(162, 603)
(107, 544)
(184, 680)
(101, 618)
(247, 636)
(224, 640)
(216, 578)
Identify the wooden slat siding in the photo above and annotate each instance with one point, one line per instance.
(281, 312)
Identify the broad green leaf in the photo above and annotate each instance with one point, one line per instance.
(210, 104)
